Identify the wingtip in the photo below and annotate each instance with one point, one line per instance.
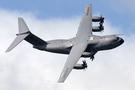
(60, 82)
(6, 51)
(20, 18)
(88, 4)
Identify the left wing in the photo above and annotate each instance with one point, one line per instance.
(73, 57)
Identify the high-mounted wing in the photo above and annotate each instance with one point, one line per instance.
(84, 31)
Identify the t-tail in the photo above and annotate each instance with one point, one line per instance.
(25, 34)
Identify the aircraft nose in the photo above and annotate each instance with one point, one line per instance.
(121, 41)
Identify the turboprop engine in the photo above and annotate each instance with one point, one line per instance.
(80, 66)
(97, 28)
(98, 19)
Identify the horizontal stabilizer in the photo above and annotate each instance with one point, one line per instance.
(17, 40)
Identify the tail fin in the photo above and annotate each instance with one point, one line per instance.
(25, 34)
(22, 26)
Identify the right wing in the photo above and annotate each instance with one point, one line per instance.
(74, 56)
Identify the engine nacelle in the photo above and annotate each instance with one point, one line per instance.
(97, 19)
(97, 28)
(80, 66)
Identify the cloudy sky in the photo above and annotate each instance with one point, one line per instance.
(25, 68)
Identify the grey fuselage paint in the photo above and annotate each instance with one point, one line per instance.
(95, 44)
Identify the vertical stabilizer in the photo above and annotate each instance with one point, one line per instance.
(22, 26)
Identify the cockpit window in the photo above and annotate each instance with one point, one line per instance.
(116, 39)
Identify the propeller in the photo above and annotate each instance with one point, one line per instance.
(102, 19)
(92, 57)
(101, 23)
(84, 63)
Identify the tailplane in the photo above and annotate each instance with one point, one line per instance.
(25, 34)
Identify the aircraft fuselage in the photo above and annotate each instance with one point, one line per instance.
(95, 44)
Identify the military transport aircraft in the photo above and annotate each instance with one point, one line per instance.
(84, 44)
